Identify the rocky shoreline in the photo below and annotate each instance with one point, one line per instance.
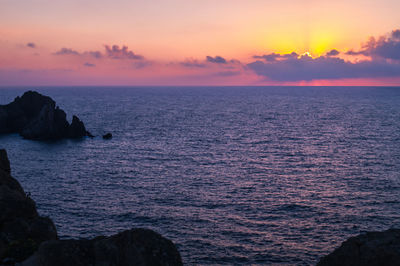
(369, 249)
(28, 239)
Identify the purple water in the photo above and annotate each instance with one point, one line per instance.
(232, 175)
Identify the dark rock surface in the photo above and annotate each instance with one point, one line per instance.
(107, 136)
(21, 228)
(4, 162)
(77, 128)
(31, 240)
(35, 116)
(131, 247)
(372, 248)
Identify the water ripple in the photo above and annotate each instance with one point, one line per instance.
(231, 175)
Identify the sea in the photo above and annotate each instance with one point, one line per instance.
(232, 175)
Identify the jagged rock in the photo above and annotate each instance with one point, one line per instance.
(17, 114)
(28, 239)
(4, 162)
(49, 124)
(107, 136)
(131, 247)
(35, 116)
(369, 249)
(77, 128)
(21, 227)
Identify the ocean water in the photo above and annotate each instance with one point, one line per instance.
(232, 175)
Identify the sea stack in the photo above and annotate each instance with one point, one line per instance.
(36, 117)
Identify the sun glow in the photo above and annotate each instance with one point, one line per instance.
(321, 42)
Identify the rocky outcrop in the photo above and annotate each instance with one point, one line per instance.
(77, 129)
(369, 249)
(31, 240)
(21, 228)
(4, 162)
(35, 116)
(132, 247)
(107, 136)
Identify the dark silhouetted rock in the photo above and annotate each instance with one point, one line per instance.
(31, 240)
(369, 249)
(107, 136)
(131, 247)
(37, 117)
(21, 228)
(49, 124)
(77, 128)
(4, 162)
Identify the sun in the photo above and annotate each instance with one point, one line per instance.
(321, 42)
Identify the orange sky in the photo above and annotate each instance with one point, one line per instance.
(174, 38)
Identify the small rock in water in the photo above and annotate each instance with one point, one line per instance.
(107, 136)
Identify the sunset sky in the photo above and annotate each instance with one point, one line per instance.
(193, 42)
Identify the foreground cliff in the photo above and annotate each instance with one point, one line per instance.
(31, 240)
(22, 230)
(369, 249)
(35, 116)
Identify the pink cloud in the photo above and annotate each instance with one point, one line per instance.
(121, 53)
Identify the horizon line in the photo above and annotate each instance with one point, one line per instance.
(189, 86)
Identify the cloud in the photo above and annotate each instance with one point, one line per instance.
(396, 34)
(235, 61)
(268, 57)
(228, 73)
(66, 51)
(274, 56)
(192, 63)
(306, 68)
(386, 47)
(95, 54)
(31, 45)
(69, 51)
(142, 64)
(352, 52)
(113, 52)
(333, 52)
(87, 64)
(383, 60)
(216, 60)
(121, 53)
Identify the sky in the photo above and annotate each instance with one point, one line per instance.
(199, 42)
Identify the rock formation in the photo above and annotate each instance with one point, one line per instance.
(21, 228)
(37, 117)
(31, 240)
(131, 247)
(107, 136)
(368, 249)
